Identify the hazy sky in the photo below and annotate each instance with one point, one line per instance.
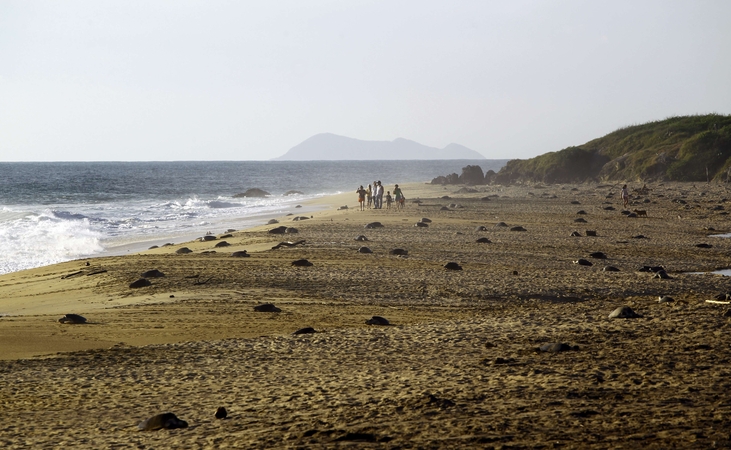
(215, 80)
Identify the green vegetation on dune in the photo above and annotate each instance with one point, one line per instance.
(688, 148)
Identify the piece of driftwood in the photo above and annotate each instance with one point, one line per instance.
(718, 302)
(96, 272)
(73, 274)
(288, 244)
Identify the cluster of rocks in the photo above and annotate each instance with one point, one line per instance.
(471, 175)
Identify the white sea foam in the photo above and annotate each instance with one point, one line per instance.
(66, 232)
(40, 239)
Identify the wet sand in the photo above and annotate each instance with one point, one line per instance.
(458, 366)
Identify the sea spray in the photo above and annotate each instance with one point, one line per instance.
(41, 239)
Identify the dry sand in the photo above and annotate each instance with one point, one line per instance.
(458, 367)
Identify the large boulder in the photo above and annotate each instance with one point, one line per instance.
(253, 192)
(441, 179)
(490, 176)
(472, 175)
(452, 178)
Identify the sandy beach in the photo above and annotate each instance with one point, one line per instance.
(460, 364)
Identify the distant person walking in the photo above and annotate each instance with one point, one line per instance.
(399, 197)
(369, 194)
(379, 195)
(625, 196)
(361, 197)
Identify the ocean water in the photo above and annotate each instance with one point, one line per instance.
(54, 212)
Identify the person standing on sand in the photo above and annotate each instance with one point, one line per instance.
(379, 196)
(399, 196)
(625, 195)
(388, 199)
(361, 196)
(369, 195)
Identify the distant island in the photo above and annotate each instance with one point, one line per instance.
(329, 147)
(686, 148)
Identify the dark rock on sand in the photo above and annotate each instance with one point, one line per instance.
(222, 244)
(240, 254)
(365, 250)
(518, 228)
(555, 347)
(154, 273)
(443, 208)
(704, 245)
(591, 233)
(306, 330)
(623, 312)
(183, 251)
(267, 307)
(580, 220)
(377, 320)
(425, 220)
(575, 202)
(278, 230)
(374, 225)
(291, 230)
(639, 236)
(221, 413)
(399, 252)
(609, 208)
(610, 269)
(598, 255)
(452, 266)
(272, 221)
(253, 192)
(580, 212)
(168, 421)
(583, 262)
(421, 224)
(73, 319)
(301, 263)
(142, 282)
(483, 240)
(361, 238)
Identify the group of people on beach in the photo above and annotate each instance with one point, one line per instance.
(373, 197)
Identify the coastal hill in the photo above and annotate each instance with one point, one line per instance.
(687, 148)
(327, 146)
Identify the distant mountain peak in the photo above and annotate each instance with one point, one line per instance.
(328, 146)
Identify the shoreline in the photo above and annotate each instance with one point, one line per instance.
(460, 356)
